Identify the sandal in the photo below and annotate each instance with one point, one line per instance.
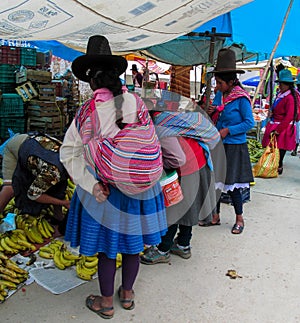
(237, 229)
(89, 302)
(125, 301)
(208, 224)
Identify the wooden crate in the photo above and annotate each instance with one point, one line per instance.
(38, 76)
(47, 92)
(45, 116)
(43, 108)
(27, 91)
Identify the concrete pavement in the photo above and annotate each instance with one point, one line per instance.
(266, 255)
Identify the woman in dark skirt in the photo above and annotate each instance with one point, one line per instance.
(235, 120)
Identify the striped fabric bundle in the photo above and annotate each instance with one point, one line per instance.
(132, 160)
(192, 125)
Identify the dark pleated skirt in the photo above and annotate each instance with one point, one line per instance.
(239, 169)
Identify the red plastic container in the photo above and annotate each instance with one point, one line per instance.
(10, 55)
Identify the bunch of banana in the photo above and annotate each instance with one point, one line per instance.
(86, 267)
(255, 149)
(14, 241)
(36, 229)
(60, 254)
(10, 207)
(11, 275)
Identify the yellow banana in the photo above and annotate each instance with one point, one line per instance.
(20, 233)
(91, 264)
(1, 249)
(3, 256)
(7, 248)
(29, 234)
(57, 260)
(47, 227)
(42, 230)
(3, 292)
(91, 258)
(88, 271)
(2, 298)
(9, 278)
(81, 274)
(27, 244)
(71, 184)
(47, 249)
(64, 261)
(46, 255)
(10, 264)
(8, 284)
(57, 242)
(12, 244)
(119, 260)
(7, 271)
(37, 236)
(71, 256)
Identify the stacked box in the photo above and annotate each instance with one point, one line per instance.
(8, 78)
(39, 76)
(17, 124)
(10, 55)
(11, 105)
(28, 57)
(45, 116)
(47, 92)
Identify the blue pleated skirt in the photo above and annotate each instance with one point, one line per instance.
(121, 224)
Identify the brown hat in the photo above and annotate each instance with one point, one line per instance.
(98, 54)
(226, 62)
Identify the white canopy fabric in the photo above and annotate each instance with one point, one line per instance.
(129, 25)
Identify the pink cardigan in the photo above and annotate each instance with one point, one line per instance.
(282, 122)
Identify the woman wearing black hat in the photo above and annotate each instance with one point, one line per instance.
(103, 219)
(235, 120)
(137, 77)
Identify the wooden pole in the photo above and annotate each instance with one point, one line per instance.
(273, 52)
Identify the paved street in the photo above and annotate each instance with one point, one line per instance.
(266, 256)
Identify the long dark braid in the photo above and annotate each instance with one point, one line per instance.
(110, 79)
(294, 94)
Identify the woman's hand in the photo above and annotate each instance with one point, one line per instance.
(211, 109)
(100, 192)
(224, 132)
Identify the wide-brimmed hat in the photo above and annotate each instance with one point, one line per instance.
(134, 68)
(98, 54)
(226, 62)
(285, 76)
(298, 79)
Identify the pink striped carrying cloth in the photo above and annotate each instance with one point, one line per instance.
(132, 160)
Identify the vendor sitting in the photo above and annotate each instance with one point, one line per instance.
(34, 175)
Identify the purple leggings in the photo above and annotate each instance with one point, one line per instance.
(107, 271)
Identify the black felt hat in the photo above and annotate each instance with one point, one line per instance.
(134, 68)
(98, 54)
(226, 62)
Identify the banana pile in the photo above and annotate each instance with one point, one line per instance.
(36, 228)
(11, 275)
(60, 254)
(87, 267)
(15, 241)
(255, 149)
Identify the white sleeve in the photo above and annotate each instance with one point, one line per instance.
(72, 157)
